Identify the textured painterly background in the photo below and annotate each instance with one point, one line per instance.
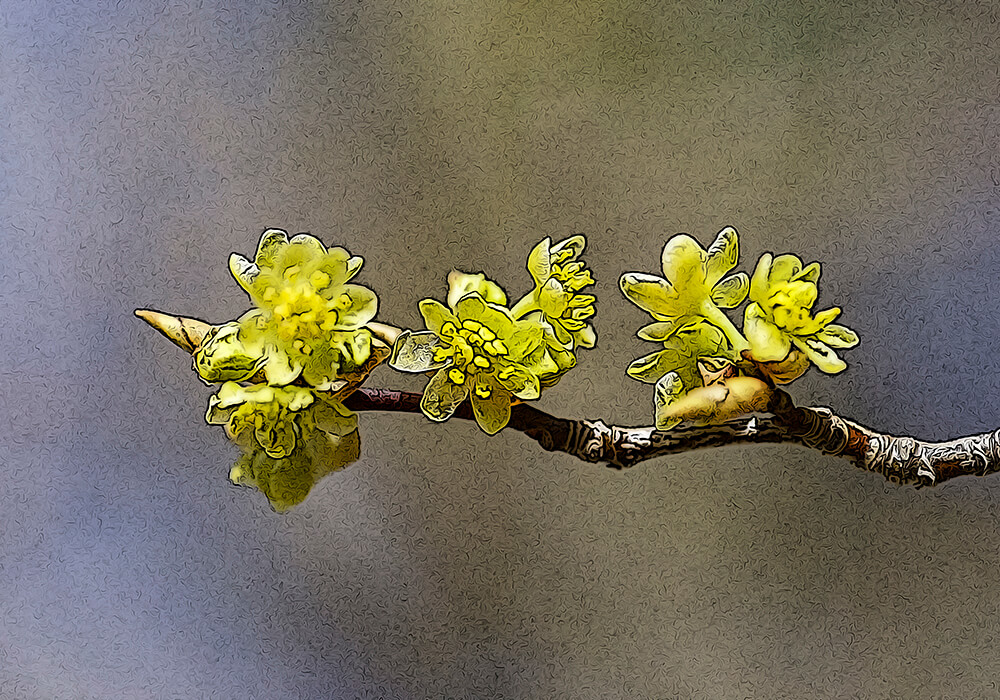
(142, 142)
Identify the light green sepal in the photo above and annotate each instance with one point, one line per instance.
(442, 397)
(668, 389)
(415, 352)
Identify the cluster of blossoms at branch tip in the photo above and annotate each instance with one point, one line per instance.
(483, 350)
(306, 333)
(285, 365)
(708, 370)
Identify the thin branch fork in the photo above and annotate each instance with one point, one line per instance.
(901, 460)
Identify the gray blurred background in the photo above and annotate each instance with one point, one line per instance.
(141, 143)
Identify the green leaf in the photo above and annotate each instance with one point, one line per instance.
(668, 389)
(722, 256)
(490, 404)
(414, 352)
(837, 336)
(442, 397)
(730, 292)
(767, 341)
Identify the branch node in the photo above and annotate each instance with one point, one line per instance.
(901, 460)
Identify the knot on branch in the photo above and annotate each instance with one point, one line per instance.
(901, 460)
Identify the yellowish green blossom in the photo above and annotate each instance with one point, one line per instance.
(310, 320)
(222, 356)
(479, 351)
(694, 286)
(682, 347)
(783, 292)
(290, 438)
(559, 278)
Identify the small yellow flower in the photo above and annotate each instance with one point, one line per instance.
(310, 320)
(693, 286)
(783, 292)
(559, 278)
(480, 352)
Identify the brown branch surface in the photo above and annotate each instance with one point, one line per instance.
(902, 460)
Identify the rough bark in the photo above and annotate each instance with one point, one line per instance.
(902, 460)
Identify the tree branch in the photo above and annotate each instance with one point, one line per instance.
(902, 460)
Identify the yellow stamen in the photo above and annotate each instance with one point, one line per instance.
(456, 376)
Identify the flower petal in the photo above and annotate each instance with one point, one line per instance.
(668, 389)
(461, 284)
(652, 294)
(492, 411)
(442, 397)
(414, 352)
(683, 261)
(759, 287)
(810, 273)
(730, 292)
(244, 271)
(272, 243)
(660, 331)
(519, 381)
(820, 354)
(280, 368)
(722, 255)
(767, 342)
(553, 300)
(474, 307)
(362, 309)
(223, 356)
(837, 336)
(784, 268)
(586, 337)
(650, 368)
(334, 418)
(540, 262)
(436, 315)
(569, 248)
(312, 246)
